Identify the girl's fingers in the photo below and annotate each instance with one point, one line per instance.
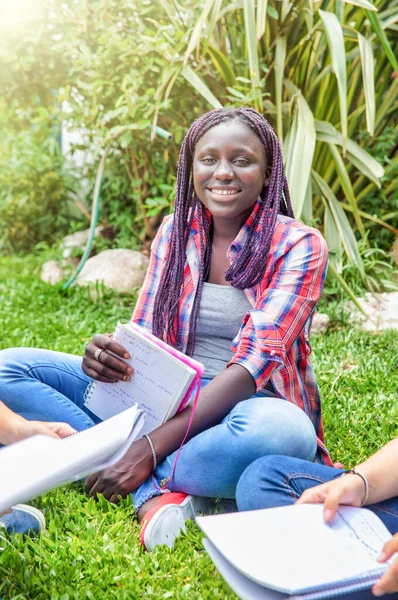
(389, 548)
(117, 366)
(389, 581)
(61, 429)
(315, 495)
(94, 374)
(332, 503)
(106, 342)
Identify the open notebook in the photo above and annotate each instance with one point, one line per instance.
(290, 552)
(162, 382)
(38, 464)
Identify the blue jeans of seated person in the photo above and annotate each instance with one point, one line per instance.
(280, 480)
(50, 386)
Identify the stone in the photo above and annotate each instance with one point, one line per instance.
(118, 269)
(320, 323)
(382, 311)
(79, 239)
(51, 272)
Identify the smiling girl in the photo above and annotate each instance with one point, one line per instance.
(233, 280)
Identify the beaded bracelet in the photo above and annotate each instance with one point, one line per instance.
(365, 482)
(154, 457)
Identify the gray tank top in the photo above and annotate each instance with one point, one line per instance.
(221, 313)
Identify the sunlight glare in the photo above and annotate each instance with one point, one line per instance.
(14, 13)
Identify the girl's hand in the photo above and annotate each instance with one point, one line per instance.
(19, 429)
(100, 363)
(124, 477)
(389, 581)
(348, 489)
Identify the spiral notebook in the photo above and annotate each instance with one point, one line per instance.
(290, 552)
(38, 464)
(162, 383)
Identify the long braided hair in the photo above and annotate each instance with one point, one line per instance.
(249, 266)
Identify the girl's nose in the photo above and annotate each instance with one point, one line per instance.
(223, 170)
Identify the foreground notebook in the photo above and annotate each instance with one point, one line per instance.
(290, 552)
(38, 464)
(162, 382)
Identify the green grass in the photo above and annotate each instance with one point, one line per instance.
(91, 549)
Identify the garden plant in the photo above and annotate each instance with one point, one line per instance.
(129, 76)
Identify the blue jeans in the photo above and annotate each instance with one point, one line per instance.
(280, 480)
(50, 386)
(42, 385)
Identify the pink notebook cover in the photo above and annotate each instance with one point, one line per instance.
(194, 364)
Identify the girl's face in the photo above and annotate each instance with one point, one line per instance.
(229, 170)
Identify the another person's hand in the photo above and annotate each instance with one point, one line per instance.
(124, 477)
(348, 489)
(388, 583)
(20, 428)
(101, 362)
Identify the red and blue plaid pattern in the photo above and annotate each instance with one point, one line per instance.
(273, 341)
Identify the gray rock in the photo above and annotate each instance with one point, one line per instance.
(118, 269)
(382, 310)
(79, 240)
(320, 323)
(51, 272)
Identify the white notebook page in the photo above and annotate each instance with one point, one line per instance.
(38, 464)
(244, 588)
(157, 385)
(292, 549)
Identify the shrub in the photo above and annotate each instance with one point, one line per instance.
(34, 194)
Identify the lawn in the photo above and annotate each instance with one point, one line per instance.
(91, 549)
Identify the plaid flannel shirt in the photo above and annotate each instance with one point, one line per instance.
(273, 340)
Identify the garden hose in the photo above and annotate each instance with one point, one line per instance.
(94, 217)
(96, 204)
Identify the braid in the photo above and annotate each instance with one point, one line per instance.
(249, 266)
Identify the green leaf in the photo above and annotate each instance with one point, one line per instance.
(223, 65)
(363, 167)
(300, 153)
(235, 93)
(365, 48)
(347, 288)
(261, 18)
(280, 55)
(341, 222)
(362, 4)
(215, 13)
(197, 83)
(333, 241)
(307, 214)
(251, 44)
(325, 132)
(335, 39)
(198, 30)
(347, 187)
(379, 31)
(272, 12)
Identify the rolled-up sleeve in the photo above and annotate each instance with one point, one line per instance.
(294, 287)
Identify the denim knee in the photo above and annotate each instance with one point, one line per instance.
(261, 483)
(253, 482)
(274, 426)
(9, 362)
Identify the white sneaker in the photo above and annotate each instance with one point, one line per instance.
(23, 519)
(165, 521)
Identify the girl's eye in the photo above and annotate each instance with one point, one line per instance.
(241, 162)
(207, 160)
